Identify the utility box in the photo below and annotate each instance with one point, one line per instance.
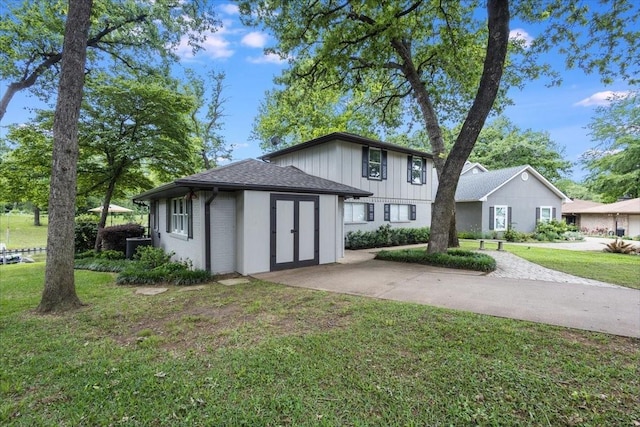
(134, 242)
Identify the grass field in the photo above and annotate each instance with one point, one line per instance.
(265, 354)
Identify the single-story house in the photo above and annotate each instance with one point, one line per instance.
(249, 217)
(620, 218)
(571, 211)
(516, 197)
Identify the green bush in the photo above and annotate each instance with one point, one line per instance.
(551, 230)
(474, 235)
(386, 236)
(115, 237)
(453, 258)
(512, 235)
(85, 232)
(151, 257)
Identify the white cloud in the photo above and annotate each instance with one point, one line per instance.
(254, 39)
(267, 58)
(215, 46)
(521, 36)
(602, 98)
(230, 9)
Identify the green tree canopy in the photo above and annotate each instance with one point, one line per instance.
(434, 62)
(138, 35)
(501, 144)
(614, 163)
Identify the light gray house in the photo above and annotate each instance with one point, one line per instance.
(250, 217)
(516, 197)
(395, 175)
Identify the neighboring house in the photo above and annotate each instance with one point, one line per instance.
(250, 217)
(396, 175)
(571, 211)
(516, 197)
(621, 218)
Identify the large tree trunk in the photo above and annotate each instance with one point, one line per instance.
(498, 24)
(59, 286)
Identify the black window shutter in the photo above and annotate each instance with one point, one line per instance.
(409, 169)
(412, 216)
(190, 219)
(553, 213)
(509, 217)
(365, 162)
(387, 212)
(537, 214)
(384, 164)
(370, 211)
(424, 170)
(491, 218)
(169, 207)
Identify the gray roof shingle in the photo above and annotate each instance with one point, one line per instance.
(473, 187)
(251, 174)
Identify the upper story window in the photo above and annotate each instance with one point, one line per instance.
(374, 163)
(416, 170)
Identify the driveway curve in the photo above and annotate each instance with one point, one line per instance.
(511, 291)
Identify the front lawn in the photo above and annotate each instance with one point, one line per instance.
(265, 354)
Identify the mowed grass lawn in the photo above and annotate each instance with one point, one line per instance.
(265, 354)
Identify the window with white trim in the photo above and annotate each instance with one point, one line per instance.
(546, 213)
(416, 170)
(375, 163)
(500, 218)
(179, 216)
(355, 212)
(399, 213)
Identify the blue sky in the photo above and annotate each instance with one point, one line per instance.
(562, 111)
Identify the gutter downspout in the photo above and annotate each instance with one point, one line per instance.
(207, 228)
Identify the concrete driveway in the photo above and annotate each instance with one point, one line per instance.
(609, 309)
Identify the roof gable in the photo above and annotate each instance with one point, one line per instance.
(251, 174)
(347, 137)
(477, 187)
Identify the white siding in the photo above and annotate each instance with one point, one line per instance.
(330, 224)
(223, 233)
(192, 249)
(254, 244)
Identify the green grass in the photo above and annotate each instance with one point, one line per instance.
(264, 354)
(618, 269)
(17, 231)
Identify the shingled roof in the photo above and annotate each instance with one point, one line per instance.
(479, 186)
(348, 137)
(251, 174)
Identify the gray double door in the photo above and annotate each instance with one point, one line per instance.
(295, 230)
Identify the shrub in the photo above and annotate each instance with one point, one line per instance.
(85, 232)
(572, 235)
(151, 257)
(550, 230)
(475, 235)
(453, 258)
(386, 236)
(115, 237)
(101, 264)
